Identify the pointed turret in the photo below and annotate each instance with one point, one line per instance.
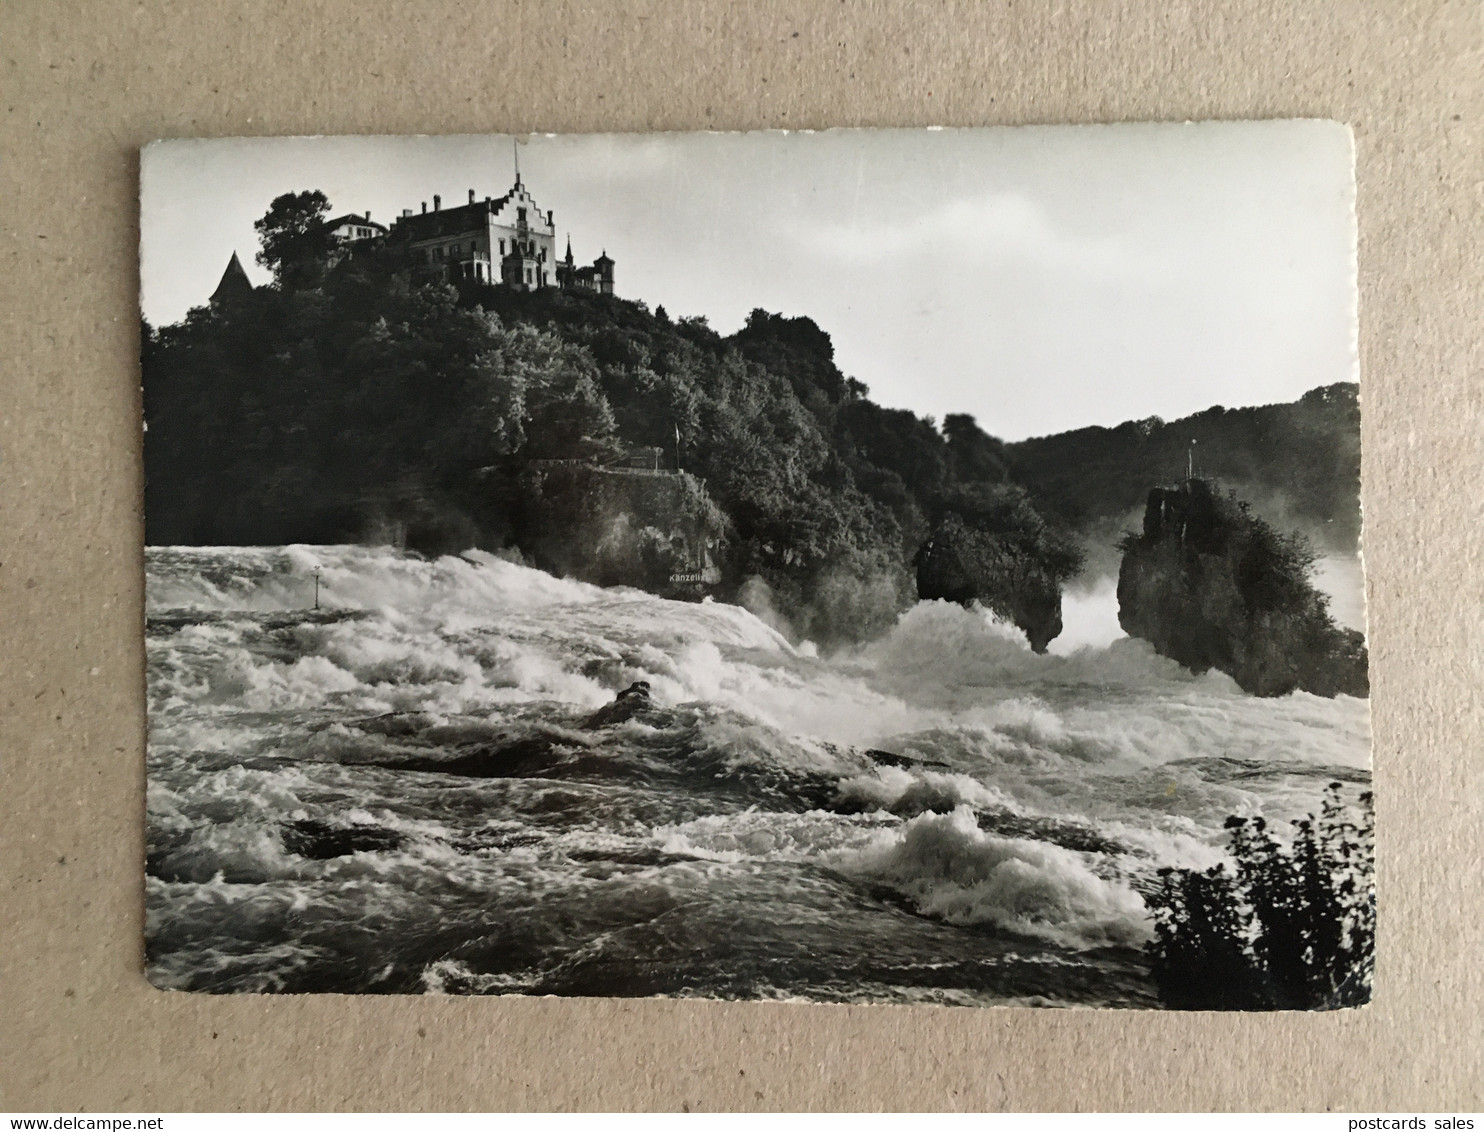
(235, 283)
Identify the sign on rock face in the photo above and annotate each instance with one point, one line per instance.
(908, 580)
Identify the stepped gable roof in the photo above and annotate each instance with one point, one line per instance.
(355, 218)
(234, 282)
(460, 218)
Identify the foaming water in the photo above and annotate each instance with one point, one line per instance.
(412, 788)
(1089, 616)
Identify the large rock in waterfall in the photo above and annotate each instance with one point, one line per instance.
(1000, 570)
(1211, 585)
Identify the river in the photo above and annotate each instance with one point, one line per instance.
(416, 788)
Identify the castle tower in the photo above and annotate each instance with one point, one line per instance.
(603, 270)
(234, 285)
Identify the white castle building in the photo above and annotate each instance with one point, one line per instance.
(509, 240)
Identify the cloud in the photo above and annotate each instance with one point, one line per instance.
(989, 229)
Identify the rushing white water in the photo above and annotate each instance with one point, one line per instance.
(413, 788)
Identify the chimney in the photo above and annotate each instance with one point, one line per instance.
(471, 196)
(425, 206)
(368, 214)
(551, 217)
(437, 202)
(407, 212)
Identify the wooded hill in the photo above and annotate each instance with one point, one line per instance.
(1298, 462)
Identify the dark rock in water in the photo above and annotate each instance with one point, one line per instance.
(1210, 585)
(1067, 834)
(321, 841)
(632, 701)
(891, 758)
(966, 564)
(527, 757)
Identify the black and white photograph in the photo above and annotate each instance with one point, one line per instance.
(909, 566)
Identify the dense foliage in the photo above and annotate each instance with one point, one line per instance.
(326, 414)
(1288, 928)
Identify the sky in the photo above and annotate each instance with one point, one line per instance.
(1038, 278)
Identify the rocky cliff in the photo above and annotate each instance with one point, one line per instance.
(621, 526)
(966, 564)
(1211, 585)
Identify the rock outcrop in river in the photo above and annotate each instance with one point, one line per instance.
(1210, 585)
(967, 564)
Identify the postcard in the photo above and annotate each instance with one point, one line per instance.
(882, 566)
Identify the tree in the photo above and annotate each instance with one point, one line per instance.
(295, 244)
(972, 453)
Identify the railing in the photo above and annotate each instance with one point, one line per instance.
(616, 469)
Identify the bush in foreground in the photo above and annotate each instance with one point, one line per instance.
(1292, 928)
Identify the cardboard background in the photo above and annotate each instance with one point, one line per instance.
(86, 84)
